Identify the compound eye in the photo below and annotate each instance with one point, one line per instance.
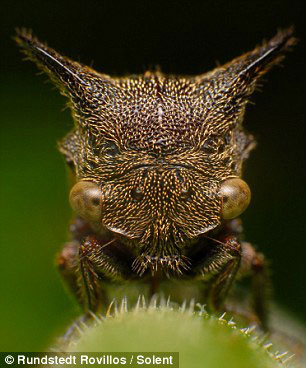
(236, 196)
(85, 198)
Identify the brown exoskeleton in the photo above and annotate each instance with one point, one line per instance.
(158, 163)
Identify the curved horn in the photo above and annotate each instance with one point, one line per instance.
(242, 73)
(226, 89)
(63, 70)
(87, 89)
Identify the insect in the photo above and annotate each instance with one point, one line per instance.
(157, 164)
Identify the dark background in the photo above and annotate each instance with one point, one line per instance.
(129, 37)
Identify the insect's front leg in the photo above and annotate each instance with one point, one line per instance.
(86, 263)
(220, 266)
(67, 264)
(67, 260)
(227, 260)
(254, 265)
(97, 265)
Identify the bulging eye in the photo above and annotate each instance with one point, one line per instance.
(236, 196)
(85, 199)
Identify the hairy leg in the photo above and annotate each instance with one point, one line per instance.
(86, 263)
(219, 269)
(68, 260)
(96, 267)
(254, 265)
(67, 263)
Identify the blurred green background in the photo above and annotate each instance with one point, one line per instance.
(129, 37)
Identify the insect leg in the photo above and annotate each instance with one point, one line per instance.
(67, 263)
(85, 261)
(221, 267)
(98, 263)
(254, 265)
(68, 260)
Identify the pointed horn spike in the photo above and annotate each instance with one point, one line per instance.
(226, 90)
(259, 61)
(241, 74)
(87, 89)
(47, 59)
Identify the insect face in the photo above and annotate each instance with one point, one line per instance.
(158, 164)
